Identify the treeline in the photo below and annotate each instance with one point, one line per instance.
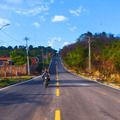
(18, 55)
(105, 56)
(33, 51)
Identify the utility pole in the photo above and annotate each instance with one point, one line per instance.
(46, 56)
(27, 51)
(89, 54)
(43, 58)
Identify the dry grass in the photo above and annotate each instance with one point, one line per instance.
(9, 81)
(113, 80)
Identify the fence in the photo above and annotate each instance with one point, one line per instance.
(12, 70)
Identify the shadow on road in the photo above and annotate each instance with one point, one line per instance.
(17, 98)
(33, 82)
(74, 83)
(32, 92)
(40, 95)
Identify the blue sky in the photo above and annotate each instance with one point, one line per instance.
(56, 23)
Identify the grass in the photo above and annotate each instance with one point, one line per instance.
(115, 84)
(10, 81)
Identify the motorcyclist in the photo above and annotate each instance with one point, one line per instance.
(46, 75)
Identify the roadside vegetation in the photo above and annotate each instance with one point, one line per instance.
(105, 56)
(39, 56)
(15, 71)
(10, 81)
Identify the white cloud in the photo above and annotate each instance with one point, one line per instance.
(33, 7)
(33, 11)
(53, 40)
(77, 11)
(4, 21)
(6, 7)
(30, 2)
(58, 42)
(66, 43)
(51, 1)
(59, 18)
(73, 29)
(36, 24)
(14, 1)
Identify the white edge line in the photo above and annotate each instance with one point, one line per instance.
(88, 78)
(18, 83)
(50, 63)
(23, 81)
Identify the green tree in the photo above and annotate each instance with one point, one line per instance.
(18, 57)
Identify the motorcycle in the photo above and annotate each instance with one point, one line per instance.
(46, 80)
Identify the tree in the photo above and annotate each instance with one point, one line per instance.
(16, 47)
(105, 52)
(30, 47)
(18, 57)
(10, 48)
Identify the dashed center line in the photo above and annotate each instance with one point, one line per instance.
(57, 84)
(57, 92)
(57, 115)
(57, 112)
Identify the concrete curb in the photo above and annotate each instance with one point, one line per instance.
(18, 83)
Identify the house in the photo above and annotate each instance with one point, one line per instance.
(5, 60)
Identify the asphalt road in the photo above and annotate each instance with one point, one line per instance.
(74, 98)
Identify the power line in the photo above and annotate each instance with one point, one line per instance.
(9, 36)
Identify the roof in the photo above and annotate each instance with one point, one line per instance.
(5, 58)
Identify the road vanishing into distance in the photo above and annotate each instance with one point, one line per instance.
(68, 97)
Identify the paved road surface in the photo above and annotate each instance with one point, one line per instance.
(73, 99)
